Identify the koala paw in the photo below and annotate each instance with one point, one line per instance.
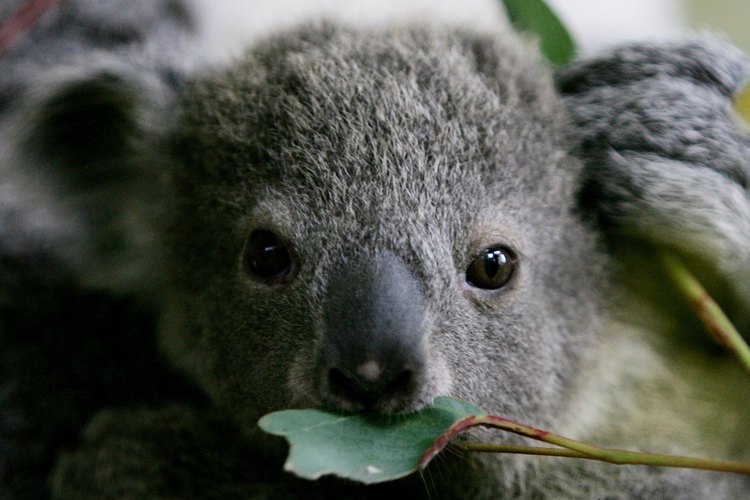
(172, 452)
(169, 452)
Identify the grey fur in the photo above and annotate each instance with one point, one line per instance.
(84, 61)
(399, 156)
(669, 160)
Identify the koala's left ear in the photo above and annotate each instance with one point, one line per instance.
(706, 61)
(666, 156)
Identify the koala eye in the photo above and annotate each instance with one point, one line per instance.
(266, 257)
(492, 269)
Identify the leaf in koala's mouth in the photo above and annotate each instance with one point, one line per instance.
(365, 447)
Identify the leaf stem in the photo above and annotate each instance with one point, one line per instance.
(716, 322)
(581, 450)
(522, 450)
(22, 21)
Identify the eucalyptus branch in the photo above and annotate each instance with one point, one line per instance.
(713, 318)
(522, 450)
(573, 448)
(22, 21)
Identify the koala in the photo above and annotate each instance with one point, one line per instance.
(367, 219)
(73, 248)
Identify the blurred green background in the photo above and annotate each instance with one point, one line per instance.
(598, 23)
(729, 16)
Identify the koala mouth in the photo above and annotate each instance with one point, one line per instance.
(370, 389)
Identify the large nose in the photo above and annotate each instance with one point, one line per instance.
(374, 347)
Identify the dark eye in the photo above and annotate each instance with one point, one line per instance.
(492, 269)
(267, 257)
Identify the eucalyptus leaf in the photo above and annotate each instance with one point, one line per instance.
(535, 16)
(365, 447)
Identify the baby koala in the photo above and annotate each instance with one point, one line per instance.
(367, 220)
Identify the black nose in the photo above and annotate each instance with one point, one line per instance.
(374, 346)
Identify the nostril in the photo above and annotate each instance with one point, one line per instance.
(337, 381)
(400, 383)
(368, 390)
(343, 386)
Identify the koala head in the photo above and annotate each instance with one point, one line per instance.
(371, 220)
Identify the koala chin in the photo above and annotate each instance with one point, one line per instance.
(369, 219)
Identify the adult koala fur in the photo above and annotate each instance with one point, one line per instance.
(370, 219)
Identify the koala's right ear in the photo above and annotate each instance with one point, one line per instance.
(82, 124)
(93, 139)
(86, 128)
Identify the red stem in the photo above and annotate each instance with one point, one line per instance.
(23, 21)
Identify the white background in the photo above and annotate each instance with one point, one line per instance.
(231, 24)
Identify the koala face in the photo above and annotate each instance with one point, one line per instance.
(371, 221)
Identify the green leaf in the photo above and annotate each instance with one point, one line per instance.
(365, 447)
(534, 16)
